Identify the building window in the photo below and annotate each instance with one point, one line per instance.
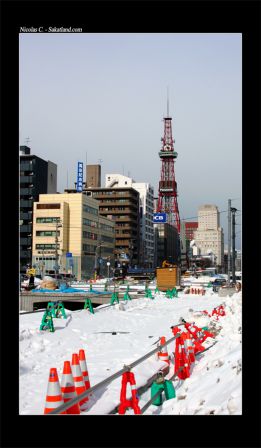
(88, 222)
(92, 210)
(47, 233)
(47, 206)
(47, 246)
(47, 220)
(90, 235)
(88, 248)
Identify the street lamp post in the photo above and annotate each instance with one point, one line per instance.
(108, 273)
(96, 258)
(57, 225)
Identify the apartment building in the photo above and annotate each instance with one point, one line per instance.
(146, 193)
(68, 230)
(121, 206)
(36, 176)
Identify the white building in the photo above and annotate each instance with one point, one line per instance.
(146, 192)
(209, 236)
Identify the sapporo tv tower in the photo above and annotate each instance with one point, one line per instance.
(167, 196)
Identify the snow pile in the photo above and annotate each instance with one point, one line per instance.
(121, 334)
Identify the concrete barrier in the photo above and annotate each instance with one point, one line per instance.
(28, 299)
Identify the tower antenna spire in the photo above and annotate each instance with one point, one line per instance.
(168, 101)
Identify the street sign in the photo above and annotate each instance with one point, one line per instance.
(159, 218)
(69, 254)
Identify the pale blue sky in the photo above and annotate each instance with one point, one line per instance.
(105, 95)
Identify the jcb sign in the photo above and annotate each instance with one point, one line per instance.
(159, 218)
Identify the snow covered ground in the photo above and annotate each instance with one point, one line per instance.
(215, 385)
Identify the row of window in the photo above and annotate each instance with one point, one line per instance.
(90, 235)
(122, 193)
(108, 239)
(47, 246)
(88, 222)
(89, 209)
(47, 233)
(106, 227)
(48, 206)
(88, 248)
(47, 220)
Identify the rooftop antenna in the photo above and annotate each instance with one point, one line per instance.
(67, 179)
(27, 141)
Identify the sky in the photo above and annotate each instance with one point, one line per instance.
(101, 98)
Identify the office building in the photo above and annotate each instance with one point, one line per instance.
(209, 236)
(167, 244)
(36, 176)
(85, 240)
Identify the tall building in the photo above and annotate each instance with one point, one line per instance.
(86, 240)
(209, 236)
(168, 244)
(146, 193)
(190, 228)
(121, 205)
(36, 176)
(93, 176)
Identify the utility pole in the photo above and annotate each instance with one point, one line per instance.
(233, 211)
(229, 241)
(57, 225)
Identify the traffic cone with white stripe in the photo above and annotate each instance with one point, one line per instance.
(78, 378)
(189, 346)
(68, 388)
(54, 397)
(83, 366)
(163, 353)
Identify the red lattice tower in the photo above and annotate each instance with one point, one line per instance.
(167, 197)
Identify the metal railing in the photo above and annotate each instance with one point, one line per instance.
(113, 377)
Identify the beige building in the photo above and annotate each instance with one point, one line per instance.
(209, 236)
(84, 238)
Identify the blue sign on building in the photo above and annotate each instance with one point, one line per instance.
(80, 176)
(159, 218)
(69, 254)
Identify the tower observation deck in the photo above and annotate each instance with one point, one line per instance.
(167, 195)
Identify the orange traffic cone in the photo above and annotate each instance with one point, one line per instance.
(77, 377)
(54, 397)
(68, 388)
(84, 369)
(163, 353)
